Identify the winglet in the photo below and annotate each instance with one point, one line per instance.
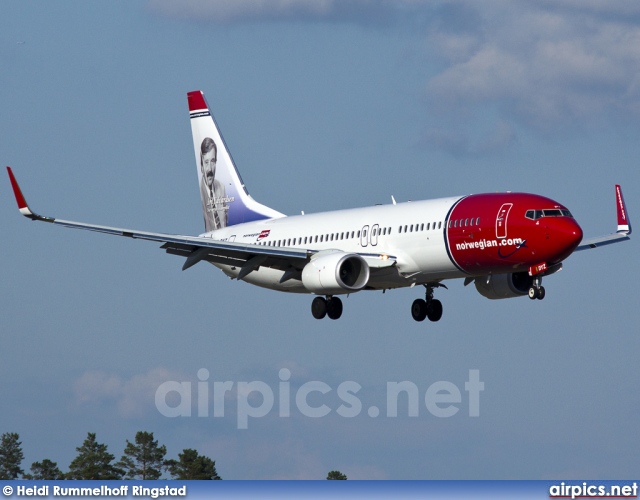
(624, 225)
(20, 200)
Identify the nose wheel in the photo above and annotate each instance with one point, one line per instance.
(428, 307)
(331, 306)
(537, 290)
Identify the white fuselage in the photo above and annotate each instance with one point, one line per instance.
(419, 249)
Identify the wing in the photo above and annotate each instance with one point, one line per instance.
(624, 227)
(247, 257)
(194, 248)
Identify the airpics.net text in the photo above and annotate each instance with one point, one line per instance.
(257, 399)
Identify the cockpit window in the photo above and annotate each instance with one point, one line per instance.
(551, 212)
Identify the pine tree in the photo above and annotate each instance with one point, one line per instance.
(10, 456)
(143, 460)
(192, 466)
(336, 475)
(93, 462)
(45, 470)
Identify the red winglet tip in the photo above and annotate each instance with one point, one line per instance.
(22, 203)
(623, 218)
(196, 100)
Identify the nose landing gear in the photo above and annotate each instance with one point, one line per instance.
(537, 290)
(428, 307)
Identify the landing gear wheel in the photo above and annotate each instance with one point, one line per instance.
(319, 307)
(434, 310)
(419, 309)
(428, 307)
(334, 308)
(537, 293)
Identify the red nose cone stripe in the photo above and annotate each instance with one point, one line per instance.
(490, 233)
(196, 100)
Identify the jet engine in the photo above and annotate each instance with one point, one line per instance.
(335, 273)
(504, 286)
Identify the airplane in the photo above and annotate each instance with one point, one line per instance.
(504, 243)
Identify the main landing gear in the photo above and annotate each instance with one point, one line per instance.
(428, 307)
(537, 290)
(331, 306)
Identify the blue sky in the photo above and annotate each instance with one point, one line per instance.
(323, 104)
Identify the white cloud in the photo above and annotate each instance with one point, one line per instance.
(233, 10)
(132, 397)
(237, 11)
(544, 65)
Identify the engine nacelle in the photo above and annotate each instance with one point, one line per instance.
(335, 273)
(504, 286)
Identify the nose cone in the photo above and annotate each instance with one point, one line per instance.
(565, 234)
